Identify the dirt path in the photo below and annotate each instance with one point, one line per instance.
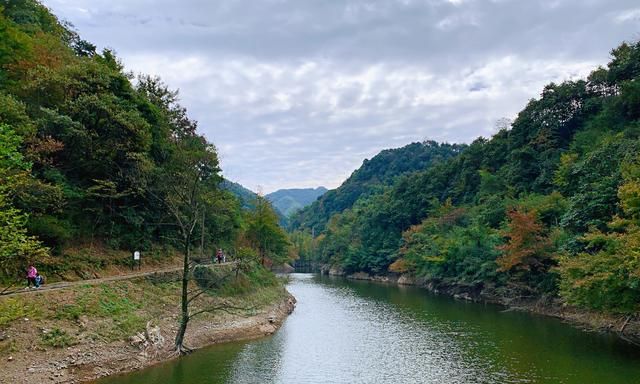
(66, 284)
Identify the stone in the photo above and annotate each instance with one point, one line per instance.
(10, 358)
(267, 329)
(154, 335)
(360, 276)
(138, 340)
(406, 280)
(83, 321)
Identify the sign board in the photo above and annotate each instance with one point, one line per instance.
(136, 255)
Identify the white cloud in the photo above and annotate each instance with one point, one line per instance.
(628, 15)
(297, 93)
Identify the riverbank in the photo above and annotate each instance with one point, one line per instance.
(80, 334)
(626, 327)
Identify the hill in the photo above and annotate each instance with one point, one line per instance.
(289, 201)
(91, 158)
(548, 208)
(372, 178)
(245, 195)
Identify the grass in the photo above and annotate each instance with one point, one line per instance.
(12, 309)
(119, 302)
(58, 338)
(119, 309)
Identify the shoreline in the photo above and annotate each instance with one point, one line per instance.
(90, 361)
(626, 328)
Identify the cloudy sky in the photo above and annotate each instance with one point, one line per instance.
(296, 93)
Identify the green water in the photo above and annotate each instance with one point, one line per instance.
(358, 332)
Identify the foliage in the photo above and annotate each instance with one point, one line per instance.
(17, 248)
(371, 178)
(527, 246)
(58, 338)
(91, 155)
(606, 276)
(264, 233)
(560, 185)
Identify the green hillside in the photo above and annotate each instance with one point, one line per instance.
(371, 178)
(90, 157)
(246, 196)
(549, 207)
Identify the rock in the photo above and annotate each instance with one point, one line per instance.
(10, 358)
(272, 319)
(83, 321)
(360, 276)
(154, 335)
(406, 280)
(463, 296)
(31, 370)
(283, 269)
(267, 329)
(138, 340)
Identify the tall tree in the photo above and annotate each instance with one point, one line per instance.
(185, 185)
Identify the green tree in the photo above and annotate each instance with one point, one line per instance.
(17, 248)
(265, 234)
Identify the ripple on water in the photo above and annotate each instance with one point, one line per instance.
(350, 332)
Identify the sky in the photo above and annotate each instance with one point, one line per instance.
(297, 93)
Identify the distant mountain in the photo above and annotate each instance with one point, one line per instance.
(288, 201)
(245, 195)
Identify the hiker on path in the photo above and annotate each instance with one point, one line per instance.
(219, 256)
(32, 272)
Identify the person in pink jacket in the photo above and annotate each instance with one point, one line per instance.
(32, 272)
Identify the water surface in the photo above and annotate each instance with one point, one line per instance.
(360, 332)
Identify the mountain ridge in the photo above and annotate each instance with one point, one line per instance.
(290, 200)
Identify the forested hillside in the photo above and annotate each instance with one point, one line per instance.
(547, 207)
(246, 196)
(371, 179)
(289, 201)
(91, 155)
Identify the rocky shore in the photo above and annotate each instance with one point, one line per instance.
(89, 360)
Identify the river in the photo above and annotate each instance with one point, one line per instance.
(360, 332)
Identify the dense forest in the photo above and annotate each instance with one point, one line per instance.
(547, 207)
(91, 154)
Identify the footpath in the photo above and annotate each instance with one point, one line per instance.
(15, 291)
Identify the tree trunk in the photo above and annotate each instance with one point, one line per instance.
(184, 313)
(180, 348)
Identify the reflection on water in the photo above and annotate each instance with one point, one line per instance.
(358, 332)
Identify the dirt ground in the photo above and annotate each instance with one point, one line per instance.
(33, 344)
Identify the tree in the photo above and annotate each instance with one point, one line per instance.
(16, 246)
(607, 275)
(184, 184)
(265, 234)
(527, 247)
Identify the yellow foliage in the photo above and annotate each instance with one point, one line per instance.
(399, 266)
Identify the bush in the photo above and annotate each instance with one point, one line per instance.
(58, 338)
